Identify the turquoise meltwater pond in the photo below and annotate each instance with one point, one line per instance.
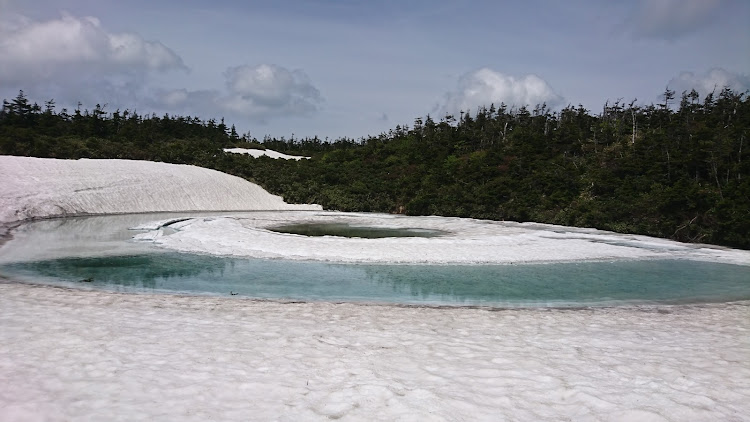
(100, 253)
(530, 285)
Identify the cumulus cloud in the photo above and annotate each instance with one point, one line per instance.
(714, 80)
(270, 85)
(485, 86)
(257, 92)
(670, 19)
(32, 51)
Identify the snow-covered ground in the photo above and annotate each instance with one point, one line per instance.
(38, 187)
(88, 355)
(261, 152)
(467, 241)
(69, 354)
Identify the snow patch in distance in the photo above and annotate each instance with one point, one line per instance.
(268, 153)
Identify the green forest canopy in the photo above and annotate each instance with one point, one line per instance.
(679, 171)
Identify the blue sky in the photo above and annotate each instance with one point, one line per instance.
(336, 68)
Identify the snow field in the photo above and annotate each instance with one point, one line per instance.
(87, 355)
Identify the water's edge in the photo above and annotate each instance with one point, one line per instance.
(660, 308)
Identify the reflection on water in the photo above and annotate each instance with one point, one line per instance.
(142, 271)
(572, 284)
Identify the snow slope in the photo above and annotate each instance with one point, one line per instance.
(39, 187)
(261, 152)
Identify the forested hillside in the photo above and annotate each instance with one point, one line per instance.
(679, 169)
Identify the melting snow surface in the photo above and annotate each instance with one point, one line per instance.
(88, 355)
(261, 152)
(39, 187)
(469, 241)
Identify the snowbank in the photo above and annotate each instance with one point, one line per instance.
(38, 187)
(261, 152)
(87, 355)
(468, 241)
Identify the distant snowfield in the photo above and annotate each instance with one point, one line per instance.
(261, 152)
(69, 354)
(38, 188)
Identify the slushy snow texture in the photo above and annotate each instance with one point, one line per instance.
(88, 355)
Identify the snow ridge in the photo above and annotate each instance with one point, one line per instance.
(43, 187)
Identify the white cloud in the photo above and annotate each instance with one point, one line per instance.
(256, 92)
(714, 80)
(670, 19)
(485, 86)
(175, 97)
(270, 85)
(33, 52)
(131, 49)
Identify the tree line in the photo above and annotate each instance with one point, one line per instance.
(679, 169)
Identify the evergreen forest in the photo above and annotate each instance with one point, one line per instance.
(679, 169)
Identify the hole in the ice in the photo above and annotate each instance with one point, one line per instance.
(347, 230)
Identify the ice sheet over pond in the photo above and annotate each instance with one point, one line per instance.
(466, 241)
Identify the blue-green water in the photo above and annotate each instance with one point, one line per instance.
(565, 284)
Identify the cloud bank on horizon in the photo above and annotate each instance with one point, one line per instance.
(332, 69)
(485, 86)
(712, 81)
(256, 92)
